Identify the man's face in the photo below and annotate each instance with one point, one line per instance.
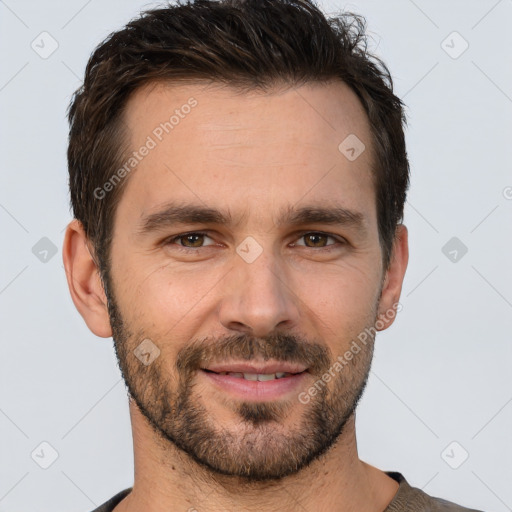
(267, 292)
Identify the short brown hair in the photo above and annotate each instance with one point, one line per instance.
(247, 44)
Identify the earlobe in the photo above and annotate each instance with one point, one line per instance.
(84, 280)
(392, 286)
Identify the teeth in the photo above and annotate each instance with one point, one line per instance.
(268, 376)
(256, 376)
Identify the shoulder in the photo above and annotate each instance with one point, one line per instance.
(109, 505)
(410, 498)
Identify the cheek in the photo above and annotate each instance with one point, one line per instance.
(341, 303)
(167, 304)
(172, 304)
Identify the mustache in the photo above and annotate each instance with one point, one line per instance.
(278, 347)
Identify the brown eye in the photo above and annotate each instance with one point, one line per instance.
(190, 240)
(193, 240)
(316, 240)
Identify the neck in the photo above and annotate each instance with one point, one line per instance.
(168, 479)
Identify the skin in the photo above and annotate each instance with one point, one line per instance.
(255, 154)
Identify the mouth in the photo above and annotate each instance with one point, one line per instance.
(262, 377)
(256, 382)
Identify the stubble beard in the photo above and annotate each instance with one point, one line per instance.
(259, 447)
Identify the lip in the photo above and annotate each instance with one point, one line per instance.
(256, 391)
(264, 368)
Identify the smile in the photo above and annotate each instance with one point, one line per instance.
(257, 376)
(256, 386)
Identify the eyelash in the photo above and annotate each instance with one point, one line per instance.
(170, 241)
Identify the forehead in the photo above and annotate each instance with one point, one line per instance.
(247, 150)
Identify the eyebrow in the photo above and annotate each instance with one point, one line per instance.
(172, 214)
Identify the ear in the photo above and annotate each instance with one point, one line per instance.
(392, 286)
(84, 280)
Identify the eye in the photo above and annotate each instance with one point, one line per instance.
(318, 240)
(196, 240)
(193, 240)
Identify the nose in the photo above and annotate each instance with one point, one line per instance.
(258, 298)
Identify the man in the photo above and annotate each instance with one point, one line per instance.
(238, 175)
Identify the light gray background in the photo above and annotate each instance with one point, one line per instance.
(441, 373)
